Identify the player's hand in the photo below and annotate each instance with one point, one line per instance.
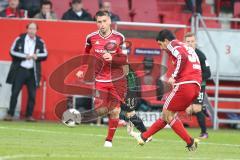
(171, 81)
(79, 74)
(107, 56)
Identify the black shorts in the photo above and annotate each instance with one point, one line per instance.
(130, 102)
(200, 97)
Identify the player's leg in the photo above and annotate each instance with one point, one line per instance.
(101, 104)
(136, 121)
(173, 104)
(197, 109)
(183, 97)
(176, 124)
(112, 125)
(166, 117)
(156, 126)
(116, 94)
(202, 123)
(131, 101)
(129, 108)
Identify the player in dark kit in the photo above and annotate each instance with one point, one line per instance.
(130, 104)
(185, 82)
(197, 107)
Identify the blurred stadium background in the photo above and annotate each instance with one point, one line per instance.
(217, 30)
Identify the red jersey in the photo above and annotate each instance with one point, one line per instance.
(110, 71)
(11, 13)
(186, 63)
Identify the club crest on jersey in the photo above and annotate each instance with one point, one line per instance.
(97, 42)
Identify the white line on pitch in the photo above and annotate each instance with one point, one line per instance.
(100, 156)
(121, 137)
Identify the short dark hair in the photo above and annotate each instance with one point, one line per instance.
(102, 13)
(76, 1)
(165, 34)
(46, 2)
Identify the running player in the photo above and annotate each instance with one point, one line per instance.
(185, 80)
(197, 107)
(110, 80)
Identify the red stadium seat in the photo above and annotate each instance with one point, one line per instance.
(63, 6)
(146, 11)
(60, 8)
(91, 6)
(236, 14)
(121, 9)
(236, 11)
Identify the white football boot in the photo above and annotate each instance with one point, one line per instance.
(107, 144)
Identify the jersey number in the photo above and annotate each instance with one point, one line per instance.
(192, 55)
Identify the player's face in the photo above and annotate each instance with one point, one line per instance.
(32, 30)
(191, 41)
(104, 24)
(163, 44)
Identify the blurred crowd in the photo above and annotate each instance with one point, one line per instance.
(43, 9)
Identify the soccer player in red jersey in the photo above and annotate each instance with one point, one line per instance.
(110, 80)
(185, 81)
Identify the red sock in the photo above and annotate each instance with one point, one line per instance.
(112, 126)
(178, 128)
(158, 125)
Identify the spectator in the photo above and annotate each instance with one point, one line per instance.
(27, 51)
(3, 4)
(32, 6)
(12, 11)
(195, 6)
(46, 11)
(76, 12)
(106, 6)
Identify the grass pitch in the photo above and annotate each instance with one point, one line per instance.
(54, 141)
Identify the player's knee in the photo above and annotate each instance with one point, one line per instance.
(130, 114)
(115, 113)
(101, 111)
(197, 108)
(189, 110)
(167, 116)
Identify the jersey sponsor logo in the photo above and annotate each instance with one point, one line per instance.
(102, 51)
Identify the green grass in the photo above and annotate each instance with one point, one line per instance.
(54, 141)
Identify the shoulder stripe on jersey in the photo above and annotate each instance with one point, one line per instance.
(92, 34)
(175, 73)
(118, 33)
(173, 50)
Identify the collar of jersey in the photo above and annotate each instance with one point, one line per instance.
(106, 36)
